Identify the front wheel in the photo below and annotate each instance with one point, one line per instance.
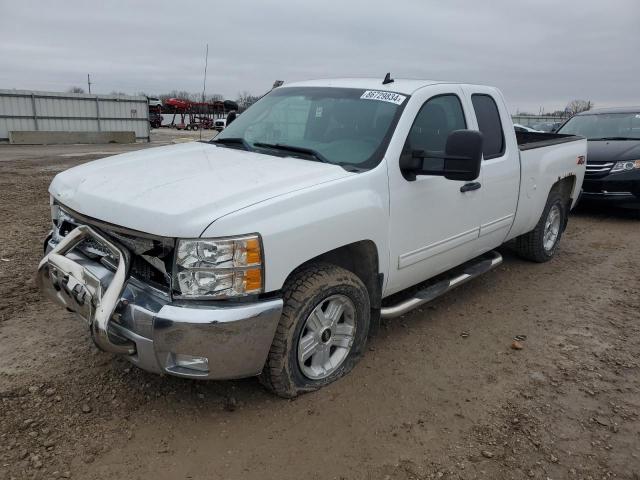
(322, 331)
(541, 243)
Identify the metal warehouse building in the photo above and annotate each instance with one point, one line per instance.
(32, 111)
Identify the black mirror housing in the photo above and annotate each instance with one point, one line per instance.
(463, 155)
(461, 160)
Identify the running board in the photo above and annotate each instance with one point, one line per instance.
(472, 269)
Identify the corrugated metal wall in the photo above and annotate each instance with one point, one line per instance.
(25, 110)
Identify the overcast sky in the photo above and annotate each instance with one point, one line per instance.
(542, 53)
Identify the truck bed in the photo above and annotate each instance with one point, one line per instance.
(530, 140)
(545, 158)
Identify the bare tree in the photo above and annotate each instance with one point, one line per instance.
(576, 106)
(76, 90)
(182, 94)
(193, 97)
(245, 100)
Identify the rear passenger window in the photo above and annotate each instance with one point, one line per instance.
(437, 118)
(489, 124)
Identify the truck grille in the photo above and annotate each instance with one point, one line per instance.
(151, 259)
(597, 169)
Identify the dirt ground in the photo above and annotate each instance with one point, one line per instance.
(440, 392)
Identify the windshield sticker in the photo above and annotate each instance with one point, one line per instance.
(383, 96)
(319, 112)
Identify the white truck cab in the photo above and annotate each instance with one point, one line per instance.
(275, 249)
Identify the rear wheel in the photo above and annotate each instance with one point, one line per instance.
(322, 331)
(541, 243)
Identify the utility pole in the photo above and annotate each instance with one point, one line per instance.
(206, 62)
(89, 82)
(204, 85)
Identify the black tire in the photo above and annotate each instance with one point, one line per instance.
(305, 290)
(530, 246)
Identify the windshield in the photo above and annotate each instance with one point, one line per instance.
(604, 126)
(344, 126)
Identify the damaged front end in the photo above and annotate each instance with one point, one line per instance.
(151, 257)
(119, 282)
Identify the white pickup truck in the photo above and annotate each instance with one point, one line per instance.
(276, 248)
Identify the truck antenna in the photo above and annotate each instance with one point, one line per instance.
(387, 79)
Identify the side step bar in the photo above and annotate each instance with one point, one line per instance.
(472, 269)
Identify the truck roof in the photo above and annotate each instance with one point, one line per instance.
(399, 85)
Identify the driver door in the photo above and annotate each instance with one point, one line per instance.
(434, 226)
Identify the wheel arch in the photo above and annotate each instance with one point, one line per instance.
(566, 188)
(360, 258)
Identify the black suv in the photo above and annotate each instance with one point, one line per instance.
(613, 154)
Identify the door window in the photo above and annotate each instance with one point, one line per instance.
(489, 124)
(437, 118)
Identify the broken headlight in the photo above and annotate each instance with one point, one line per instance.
(218, 268)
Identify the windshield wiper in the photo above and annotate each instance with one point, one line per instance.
(615, 138)
(231, 141)
(294, 149)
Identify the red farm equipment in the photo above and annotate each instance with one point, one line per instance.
(188, 115)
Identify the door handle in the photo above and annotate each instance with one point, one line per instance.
(467, 187)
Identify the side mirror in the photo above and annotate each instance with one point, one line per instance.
(461, 159)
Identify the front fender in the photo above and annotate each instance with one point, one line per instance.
(303, 224)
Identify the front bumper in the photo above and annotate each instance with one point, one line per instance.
(219, 340)
(622, 189)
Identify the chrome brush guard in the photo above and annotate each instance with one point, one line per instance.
(76, 288)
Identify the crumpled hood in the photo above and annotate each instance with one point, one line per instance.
(178, 190)
(613, 150)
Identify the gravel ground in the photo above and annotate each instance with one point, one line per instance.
(441, 393)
